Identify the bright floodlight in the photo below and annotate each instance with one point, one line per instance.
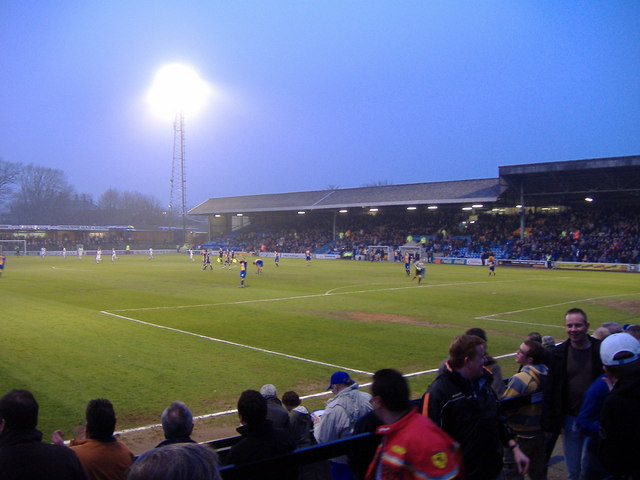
(177, 88)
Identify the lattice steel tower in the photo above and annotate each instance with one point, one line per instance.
(178, 175)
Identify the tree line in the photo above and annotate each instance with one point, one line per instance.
(31, 194)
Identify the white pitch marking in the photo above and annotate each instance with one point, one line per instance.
(315, 295)
(219, 340)
(305, 397)
(489, 317)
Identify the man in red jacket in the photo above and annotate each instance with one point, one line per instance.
(412, 446)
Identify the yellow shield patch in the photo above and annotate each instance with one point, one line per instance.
(440, 459)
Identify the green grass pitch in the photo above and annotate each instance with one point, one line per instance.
(74, 330)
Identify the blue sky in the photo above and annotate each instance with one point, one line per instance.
(317, 93)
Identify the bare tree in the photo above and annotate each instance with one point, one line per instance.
(8, 175)
(129, 208)
(43, 195)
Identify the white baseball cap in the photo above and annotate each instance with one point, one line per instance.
(619, 343)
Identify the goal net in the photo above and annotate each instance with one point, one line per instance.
(414, 251)
(18, 247)
(380, 252)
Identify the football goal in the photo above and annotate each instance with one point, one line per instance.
(18, 247)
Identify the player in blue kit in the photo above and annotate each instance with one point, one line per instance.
(243, 271)
(276, 258)
(307, 256)
(492, 265)
(259, 263)
(3, 259)
(407, 264)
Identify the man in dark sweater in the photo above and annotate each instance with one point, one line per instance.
(22, 454)
(260, 440)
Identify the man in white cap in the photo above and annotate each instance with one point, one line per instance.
(620, 421)
(341, 414)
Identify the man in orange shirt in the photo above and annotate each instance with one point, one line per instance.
(101, 455)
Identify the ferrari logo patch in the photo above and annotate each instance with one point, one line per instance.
(440, 459)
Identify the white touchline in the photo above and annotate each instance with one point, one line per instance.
(235, 344)
(490, 317)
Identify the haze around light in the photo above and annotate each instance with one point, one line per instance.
(178, 88)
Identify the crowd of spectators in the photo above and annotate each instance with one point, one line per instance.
(606, 236)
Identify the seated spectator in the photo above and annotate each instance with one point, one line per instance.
(525, 421)
(275, 411)
(178, 461)
(300, 427)
(620, 422)
(340, 416)
(101, 455)
(300, 423)
(413, 447)
(23, 456)
(177, 424)
(260, 439)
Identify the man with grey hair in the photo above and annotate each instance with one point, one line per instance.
(177, 462)
(276, 413)
(177, 424)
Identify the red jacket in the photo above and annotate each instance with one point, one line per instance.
(415, 448)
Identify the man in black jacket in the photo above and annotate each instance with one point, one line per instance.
(22, 454)
(260, 440)
(575, 364)
(462, 403)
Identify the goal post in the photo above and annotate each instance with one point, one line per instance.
(19, 247)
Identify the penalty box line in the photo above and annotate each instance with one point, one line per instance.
(235, 344)
(541, 307)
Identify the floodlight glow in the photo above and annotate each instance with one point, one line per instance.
(588, 199)
(177, 88)
(239, 214)
(217, 215)
(301, 213)
(432, 207)
(373, 209)
(518, 206)
(477, 205)
(467, 208)
(343, 211)
(411, 208)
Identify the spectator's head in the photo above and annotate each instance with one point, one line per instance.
(252, 407)
(601, 333)
(548, 341)
(535, 336)
(177, 421)
(577, 326)
(268, 391)
(478, 332)
(390, 392)
(530, 353)
(18, 411)
(339, 381)
(180, 461)
(291, 400)
(101, 419)
(613, 327)
(620, 354)
(633, 330)
(467, 355)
